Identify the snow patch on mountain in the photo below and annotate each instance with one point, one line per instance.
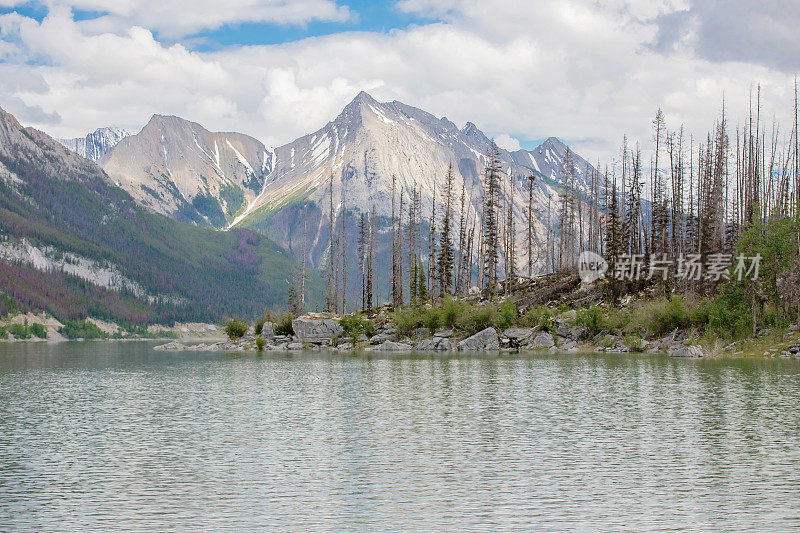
(96, 144)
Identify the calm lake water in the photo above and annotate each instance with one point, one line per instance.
(110, 436)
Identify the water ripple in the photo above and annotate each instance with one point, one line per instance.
(102, 436)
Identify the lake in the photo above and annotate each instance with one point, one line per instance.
(105, 436)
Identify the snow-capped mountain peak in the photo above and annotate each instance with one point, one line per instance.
(96, 144)
(181, 169)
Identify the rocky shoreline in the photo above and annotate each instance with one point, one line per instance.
(318, 333)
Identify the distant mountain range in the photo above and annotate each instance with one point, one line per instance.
(73, 243)
(95, 144)
(229, 180)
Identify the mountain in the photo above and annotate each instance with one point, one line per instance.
(369, 143)
(72, 244)
(548, 161)
(180, 169)
(96, 144)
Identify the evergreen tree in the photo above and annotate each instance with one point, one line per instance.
(490, 242)
(444, 268)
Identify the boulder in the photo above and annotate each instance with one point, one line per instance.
(390, 346)
(567, 316)
(572, 332)
(435, 344)
(173, 346)
(421, 333)
(793, 349)
(380, 338)
(486, 340)
(518, 336)
(268, 330)
(542, 340)
(686, 351)
(444, 333)
(568, 346)
(316, 330)
(294, 346)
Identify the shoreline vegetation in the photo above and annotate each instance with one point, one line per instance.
(649, 323)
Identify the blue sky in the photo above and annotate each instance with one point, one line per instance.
(369, 16)
(372, 16)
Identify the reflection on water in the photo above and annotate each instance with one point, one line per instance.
(102, 436)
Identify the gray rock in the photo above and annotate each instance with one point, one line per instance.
(686, 351)
(567, 316)
(294, 346)
(542, 340)
(316, 330)
(793, 349)
(435, 344)
(486, 340)
(344, 347)
(268, 331)
(380, 338)
(568, 345)
(420, 333)
(518, 336)
(390, 346)
(444, 333)
(173, 346)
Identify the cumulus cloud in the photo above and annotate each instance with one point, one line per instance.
(584, 72)
(507, 142)
(29, 113)
(734, 30)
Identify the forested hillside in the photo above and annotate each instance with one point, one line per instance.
(114, 259)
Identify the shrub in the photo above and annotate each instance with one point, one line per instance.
(235, 328)
(20, 331)
(618, 320)
(38, 330)
(591, 318)
(432, 320)
(507, 314)
(699, 313)
(284, 325)
(729, 314)
(406, 319)
(3, 332)
(666, 315)
(477, 319)
(451, 311)
(634, 343)
(82, 329)
(539, 317)
(260, 343)
(356, 325)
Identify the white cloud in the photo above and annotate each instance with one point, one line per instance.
(507, 142)
(178, 18)
(576, 70)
